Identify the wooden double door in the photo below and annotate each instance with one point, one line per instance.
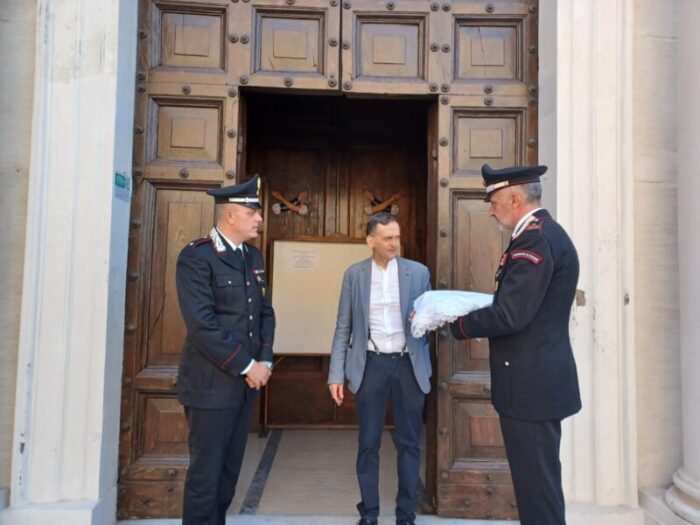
(210, 74)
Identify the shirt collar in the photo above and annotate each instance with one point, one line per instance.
(390, 265)
(230, 242)
(524, 220)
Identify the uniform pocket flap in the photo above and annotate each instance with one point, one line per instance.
(229, 280)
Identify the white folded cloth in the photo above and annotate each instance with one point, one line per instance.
(434, 309)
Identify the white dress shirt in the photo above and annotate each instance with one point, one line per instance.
(240, 247)
(231, 243)
(385, 320)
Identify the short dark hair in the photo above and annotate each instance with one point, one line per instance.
(382, 218)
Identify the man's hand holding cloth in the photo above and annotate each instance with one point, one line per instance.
(435, 308)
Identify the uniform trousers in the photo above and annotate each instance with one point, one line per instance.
(533, 455)
(389, 376)
(217, 441)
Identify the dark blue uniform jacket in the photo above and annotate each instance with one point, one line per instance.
(533, 373)
(226, 307)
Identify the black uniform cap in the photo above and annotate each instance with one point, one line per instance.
(494, 180)
(246, 194)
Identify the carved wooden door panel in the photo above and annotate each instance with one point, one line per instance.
(185, 141)
(285, 43)
(385, 47)
(488, 116)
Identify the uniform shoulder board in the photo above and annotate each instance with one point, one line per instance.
(526, 255)
(537, 223)
(534, 225)
(199, 242)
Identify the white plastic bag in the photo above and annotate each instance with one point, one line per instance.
(435, 308)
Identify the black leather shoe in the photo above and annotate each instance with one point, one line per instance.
(364, 521)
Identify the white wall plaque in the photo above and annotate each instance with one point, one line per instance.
(306, 281)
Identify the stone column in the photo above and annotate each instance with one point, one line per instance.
(64, 464)
(684, 495)
(594, 191)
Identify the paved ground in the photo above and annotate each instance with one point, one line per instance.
(289, 475)
(322, 520)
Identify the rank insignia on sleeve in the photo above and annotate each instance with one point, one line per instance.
(527, 255)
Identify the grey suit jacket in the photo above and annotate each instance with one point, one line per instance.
(349, 351)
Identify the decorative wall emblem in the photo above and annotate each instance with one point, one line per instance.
(376, 204)
(295, 205)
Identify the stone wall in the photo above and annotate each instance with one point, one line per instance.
(656, 242)
(17, 41)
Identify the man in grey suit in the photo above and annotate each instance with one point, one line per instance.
(373, 347)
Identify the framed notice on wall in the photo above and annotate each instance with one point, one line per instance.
(306, 279)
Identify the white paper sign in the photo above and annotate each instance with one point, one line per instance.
(306, 280)
(304, 259)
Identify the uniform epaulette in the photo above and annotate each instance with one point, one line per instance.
(536, 224)
(199, 242)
